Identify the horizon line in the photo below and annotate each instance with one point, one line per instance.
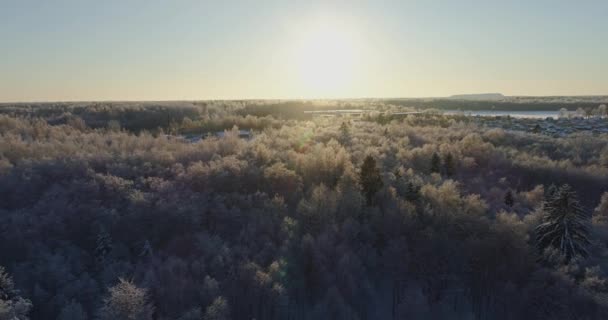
(307, 99)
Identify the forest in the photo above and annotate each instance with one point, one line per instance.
(107, 212)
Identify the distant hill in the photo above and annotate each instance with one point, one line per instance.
(479, 96)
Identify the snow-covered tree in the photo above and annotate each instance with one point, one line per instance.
(218, 310)
(600, 214)
(601, 110)
(126, 302)
(12, 306)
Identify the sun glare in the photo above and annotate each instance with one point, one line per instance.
(326, 57)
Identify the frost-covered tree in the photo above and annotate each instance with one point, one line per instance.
(600, 214)
(601, 110)
(318, 210)
(580, 112)
(126, 301)
(218, 310)
(7, 287)
(12, 306)
(370, 179)
(564, 225)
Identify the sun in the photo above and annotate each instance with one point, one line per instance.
(326, 58)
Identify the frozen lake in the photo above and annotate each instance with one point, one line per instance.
(515, 114)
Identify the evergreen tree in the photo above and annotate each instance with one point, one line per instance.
(72, 311)
(412, 192)
(344, 133)
(551, 191)
(564, 225)
(103, 245)
(370, 179)
(448, 164)
(146, 251)
(435, 163)
(509, 201)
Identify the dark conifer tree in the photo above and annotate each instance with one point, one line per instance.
(103, 245)
(344, 133)
(435, 163)
(412, 192)
(370, 179)
(448, 164)
(551, 191)
(509, 201)
(564, 225)
(146, 250)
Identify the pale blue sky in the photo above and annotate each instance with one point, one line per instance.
(172, 50)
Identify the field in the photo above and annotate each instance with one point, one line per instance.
(255, 209)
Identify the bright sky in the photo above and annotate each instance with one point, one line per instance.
(172, 50)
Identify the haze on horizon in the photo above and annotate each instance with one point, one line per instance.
(185, 50)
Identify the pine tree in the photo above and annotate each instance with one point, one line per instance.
(435, 163)
(370, 179)
(103, 245)
(551, 191)
(344, 133)
(412, 192)
(72, 311)
(564, 225)
(509, 201)
(146, 250)
(448, 164)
